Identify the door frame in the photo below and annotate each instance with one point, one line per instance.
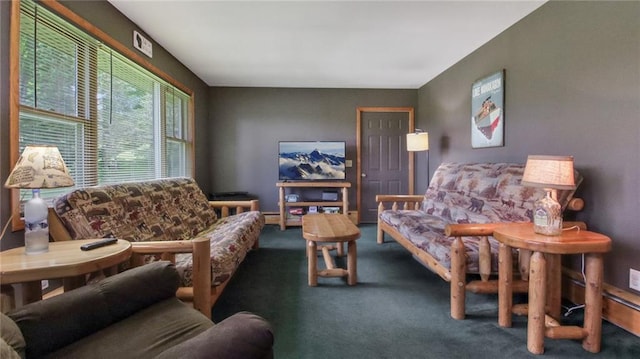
(359, 111)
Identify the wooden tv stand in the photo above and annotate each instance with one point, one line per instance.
(342, 202)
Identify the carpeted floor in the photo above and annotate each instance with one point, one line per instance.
(398, 309)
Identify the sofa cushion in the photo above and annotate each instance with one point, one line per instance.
(484, 193)
(158, 210)
(241, 336)
(7, 351)
(427, 233)
(50, 324)
(145, 334)
(230, 240)
(12, 339)
(468, 193)
(165, 209)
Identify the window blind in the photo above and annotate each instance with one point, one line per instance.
(112, 120)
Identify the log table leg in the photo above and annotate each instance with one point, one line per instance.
(72, 283)
(505, 280)
(537, 301)
(524, 261)
(7, 298)
(458, 273)
(339, 249)
(352, 266)
(313, 263)
(593, 302)
(554, 285)
(31, 292)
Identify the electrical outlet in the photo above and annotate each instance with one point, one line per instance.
(634, 279)
(45, 284)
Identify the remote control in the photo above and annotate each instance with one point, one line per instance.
(98, 244)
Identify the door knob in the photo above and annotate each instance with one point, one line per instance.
(363, 175)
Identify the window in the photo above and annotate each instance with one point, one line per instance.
(112, 119)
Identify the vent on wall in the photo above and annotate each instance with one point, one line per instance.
(142, 44)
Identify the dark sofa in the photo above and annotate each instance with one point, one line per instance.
(134, 314)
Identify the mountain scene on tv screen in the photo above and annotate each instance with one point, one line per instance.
(312, 163)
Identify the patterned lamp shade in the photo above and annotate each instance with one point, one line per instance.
(549, 172)
(39, 166)
(418, 141)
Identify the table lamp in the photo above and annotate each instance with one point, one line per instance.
(39, 166)
(418, 141)
(551, 173)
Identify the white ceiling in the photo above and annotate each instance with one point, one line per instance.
(322, 44)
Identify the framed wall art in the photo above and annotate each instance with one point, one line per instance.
(487, 111)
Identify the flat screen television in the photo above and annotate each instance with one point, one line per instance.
(311, 160)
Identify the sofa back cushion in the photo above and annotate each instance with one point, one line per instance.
(483, 193)
(166, 209)
(48, 325)
(12, 342)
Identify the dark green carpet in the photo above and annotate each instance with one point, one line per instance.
(399, 309)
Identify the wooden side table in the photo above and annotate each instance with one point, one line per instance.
(336, 228)
(63, 260)
(545, 283)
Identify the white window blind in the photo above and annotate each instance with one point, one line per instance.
(112, 120)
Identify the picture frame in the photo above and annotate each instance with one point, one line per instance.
(487, 111)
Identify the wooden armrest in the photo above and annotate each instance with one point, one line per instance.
(239, 206)
(408, 201)
(57, 230)
(471, 229)
(575, 204)
(153, 247)
(486, 229)
(399, 198)
(201, 277)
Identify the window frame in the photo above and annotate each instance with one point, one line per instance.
(14, 87)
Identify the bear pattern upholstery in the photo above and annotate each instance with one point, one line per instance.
(468, 193)
(161, 210)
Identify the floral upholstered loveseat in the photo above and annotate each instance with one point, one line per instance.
(449, 228)
(166, 219)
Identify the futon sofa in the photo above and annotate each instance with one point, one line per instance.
(168, 219)
(134, 314)
(449, 228)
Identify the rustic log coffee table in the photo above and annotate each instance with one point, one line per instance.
(336, 228)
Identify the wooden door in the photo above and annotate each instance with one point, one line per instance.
(384, 166)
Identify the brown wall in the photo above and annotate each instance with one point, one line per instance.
(247, 124)
(5, 15)
(107, 18)
(572, 88)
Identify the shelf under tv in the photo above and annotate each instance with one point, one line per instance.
(282, 186)
(313, 203)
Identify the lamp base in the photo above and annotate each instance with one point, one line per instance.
(547, 216)
(36, 242)
(36, 231)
